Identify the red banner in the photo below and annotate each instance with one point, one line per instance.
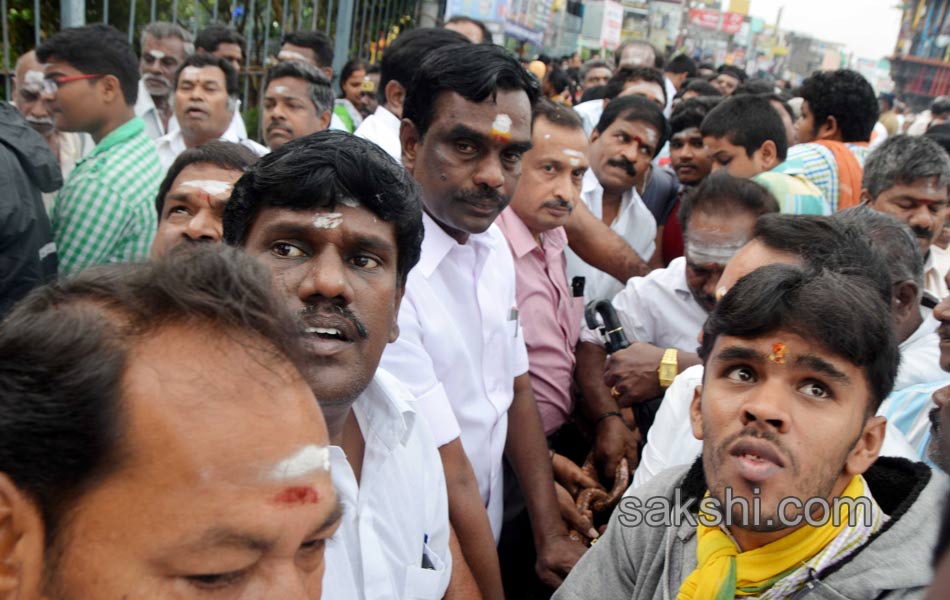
(727, 22)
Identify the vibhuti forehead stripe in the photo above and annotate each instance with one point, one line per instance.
(501, 127)
(703, 253)
(212, 187)
(328, 220)
(306, 461)
(574, 156)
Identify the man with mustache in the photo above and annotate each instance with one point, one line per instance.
(339, 226)
(466, 127)
(629, 134)
(662, 314)
(191, 198)
(206, 100)
(298, 101)
(68, 147)
(936, 440)
(165, 46)
(797, 362)
(908, 177)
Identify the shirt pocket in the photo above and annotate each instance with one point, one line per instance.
(426, 584)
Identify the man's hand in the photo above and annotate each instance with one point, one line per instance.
(613, 440)
(557, 555)
(573, 518)
(634, 373)
(570, 476)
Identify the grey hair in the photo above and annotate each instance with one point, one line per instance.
(594, 63)
(321, 94)
(892, 239)
(903, 159)
(161, 29)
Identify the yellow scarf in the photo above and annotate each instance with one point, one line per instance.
(724, 573)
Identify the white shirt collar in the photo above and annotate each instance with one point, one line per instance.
(437, 244)
(386, 411)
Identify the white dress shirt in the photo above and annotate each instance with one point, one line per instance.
(920, 355)
(634, 223)
(154, 128)
(590, 113)
(670, 441)
(658, 309)
(460, 347)
(935, 271)
(670, 90)
(398, 504)
(172, 144)
(382, 128)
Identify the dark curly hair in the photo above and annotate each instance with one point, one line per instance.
(845, 95)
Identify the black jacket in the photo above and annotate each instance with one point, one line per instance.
(27, 168)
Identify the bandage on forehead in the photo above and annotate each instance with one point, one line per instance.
(717, 253)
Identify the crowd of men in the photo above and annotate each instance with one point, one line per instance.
(466, 327)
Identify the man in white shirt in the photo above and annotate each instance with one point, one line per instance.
(663, 313)
(812, 241)
(466, 125)
(645, 82)
(205, 102)
(909, 177)
(339, 226)
(399, 64)
(165, 46)
(629, 134)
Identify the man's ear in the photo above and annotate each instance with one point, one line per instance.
(328, 71)
(866, 197)
(111, 90)
(905, 299)
(868, 448)
(696, 412)
(325, 118)
(829, 129)
(397, 302)
(409, 138)
(594, 135)
(768, 155)
(21, 544)
(395, 97)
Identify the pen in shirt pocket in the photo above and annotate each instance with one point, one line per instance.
(426, 561)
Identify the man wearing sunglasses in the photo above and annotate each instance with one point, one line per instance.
(104, 212)
(165, 46)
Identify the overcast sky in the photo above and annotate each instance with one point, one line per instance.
(868, 27)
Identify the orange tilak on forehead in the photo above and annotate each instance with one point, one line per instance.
(501, 128)
(779, 350)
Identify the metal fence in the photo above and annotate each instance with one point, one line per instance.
(360, 28)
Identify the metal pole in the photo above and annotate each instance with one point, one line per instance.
(283, 19)
(6, 52)
(214, 13)
(249, 31)
(131, 20)
(299, 14)
(36, 22)
(105, 11)
(175, 11)
(316, 9)
(329, 16)
(344, 32)
(267, 23)
(72, 13)
(194, 16)
(152, 12)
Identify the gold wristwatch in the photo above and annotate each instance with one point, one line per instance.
(669, 367)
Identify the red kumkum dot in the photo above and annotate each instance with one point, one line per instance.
(297, 495)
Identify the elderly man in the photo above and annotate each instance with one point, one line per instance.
(104, 211)
(339, 225)
(191, 199)
(789, 497)
(205, 102)
(298, 101)
(909, 178)
(165, 46)
(132, 391)
(68, 147)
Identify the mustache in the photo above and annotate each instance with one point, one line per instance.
(922, 232)
(312, 310)
(482, 195)
(751, 432)
(623, 163)
(569, 206)
(34, 121)
(278, 125)
(157, 78)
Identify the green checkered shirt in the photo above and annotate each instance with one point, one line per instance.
(106, 210)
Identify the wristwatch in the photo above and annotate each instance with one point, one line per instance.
(669, 367)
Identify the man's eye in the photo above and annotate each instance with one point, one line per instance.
(365, 262)
(645, 150)
(215, 581)
(676, 145)
(313, 545)
(724, 161)
(815, 390)
(178, 210)
(743, 374)
(285, 250)
(465, 147)
(511, 157)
